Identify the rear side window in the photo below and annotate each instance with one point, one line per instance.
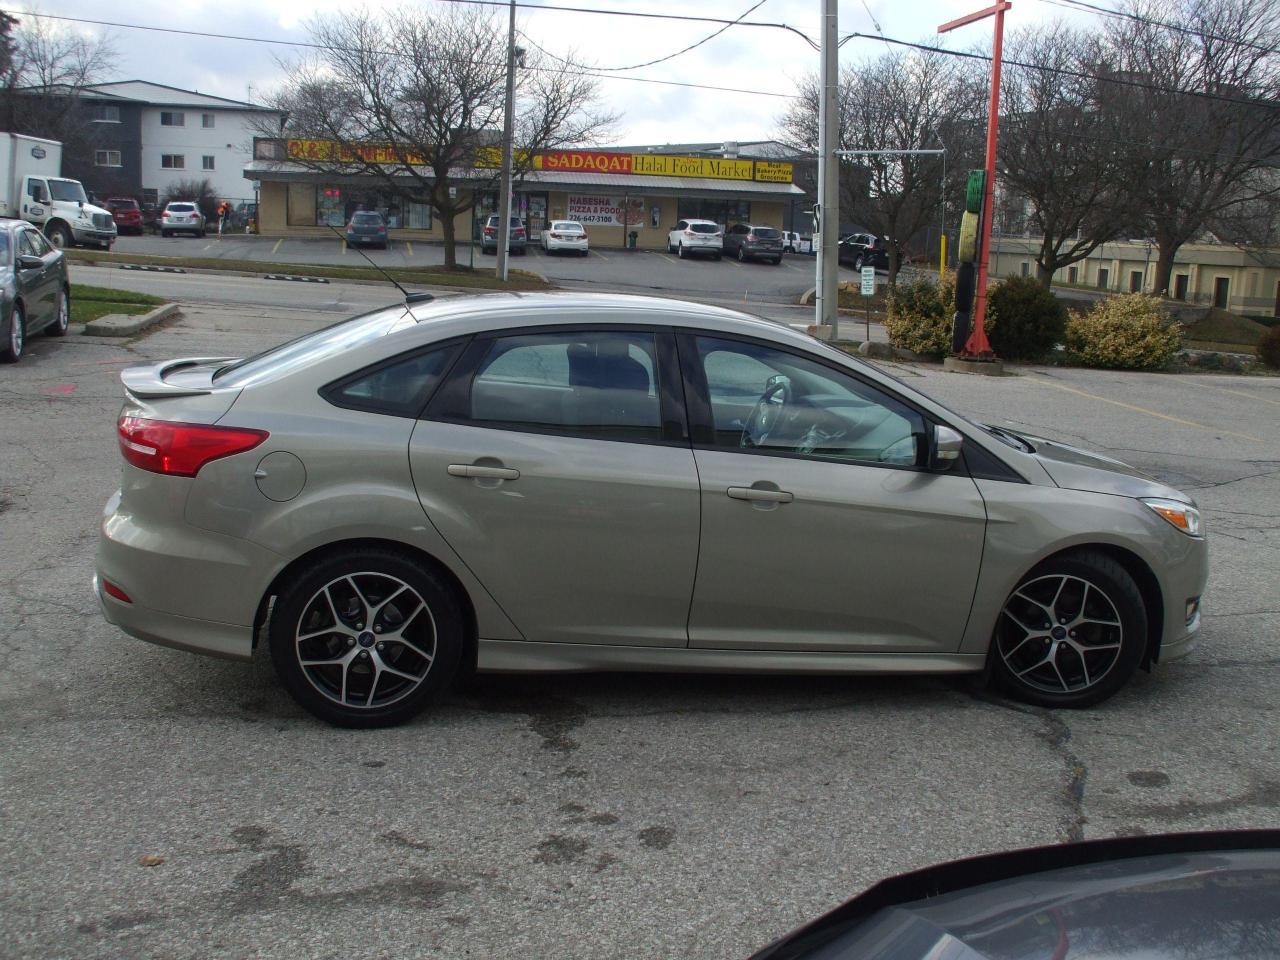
(399, 387)
(590, 384)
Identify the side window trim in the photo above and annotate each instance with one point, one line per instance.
(452, 398)
(698, 398)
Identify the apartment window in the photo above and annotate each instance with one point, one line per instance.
(206, 120)
(173, 161)
(1025, 268)
(206, 162)
(101, 113)
(170, 119)
(106, 158)
(1073, 274)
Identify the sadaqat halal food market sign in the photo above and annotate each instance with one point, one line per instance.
(651, 164)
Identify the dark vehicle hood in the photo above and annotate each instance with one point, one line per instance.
(1075, 469)
(1207, 896)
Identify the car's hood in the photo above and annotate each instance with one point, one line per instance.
(1075, 469)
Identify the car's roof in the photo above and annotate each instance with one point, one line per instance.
(697, 220)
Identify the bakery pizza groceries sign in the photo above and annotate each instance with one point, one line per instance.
(606, 211)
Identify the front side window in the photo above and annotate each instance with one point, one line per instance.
(169, 118)
(39, 243)
(591, 384)
(769, 400)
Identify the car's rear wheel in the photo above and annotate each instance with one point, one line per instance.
(366, 638)
(742, 257)
(1071, 634)
(61, 320)
(680, 252)
(15, 339)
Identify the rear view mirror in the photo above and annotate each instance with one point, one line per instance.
(27, 262)
(944, 447)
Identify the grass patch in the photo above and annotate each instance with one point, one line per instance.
(82, 292)
(90, 303)
(480, 279)
(1221, 327)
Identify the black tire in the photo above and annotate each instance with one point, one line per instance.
(742, 257)
(680, 251)
(857, 263)
(59, 236)
(716, 256)
(164, 233)
(1093, 648)
(199, 234)
(62, 321)
(966, 286)
(300, 610)
(15, 336)
(777, 262)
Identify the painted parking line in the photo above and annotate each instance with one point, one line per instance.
(207, 246)
(601, 256)
(666, 258)
(277, 246)
(1149, 413)
(342, 246)
(409, 244)
(1238, 393)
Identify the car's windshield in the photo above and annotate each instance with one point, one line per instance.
(704, 228)
(314, 346)
(67, 190)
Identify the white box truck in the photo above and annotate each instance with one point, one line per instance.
(34, 190)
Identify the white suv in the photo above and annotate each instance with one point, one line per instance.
(696, 236)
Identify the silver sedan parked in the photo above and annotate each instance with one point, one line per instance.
(572, 482)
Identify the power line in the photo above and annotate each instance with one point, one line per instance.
(1065, 72)
(647, 63)
(1164, 24)
(392, 53)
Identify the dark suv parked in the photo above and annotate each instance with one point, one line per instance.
(860, 250)
(752, 241)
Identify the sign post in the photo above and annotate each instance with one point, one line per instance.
(868, 290)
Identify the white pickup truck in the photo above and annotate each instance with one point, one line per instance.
(35, 191)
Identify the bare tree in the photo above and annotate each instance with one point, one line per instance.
(1058, 151)
(896, 101)
(414, 99)
(47, 70)
(1201, 115)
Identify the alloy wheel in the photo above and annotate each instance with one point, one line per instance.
(1059, 634)
(366, 640)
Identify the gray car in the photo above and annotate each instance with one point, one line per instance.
(35, 295)
(748, 241)
(592, 482)
(366, 227)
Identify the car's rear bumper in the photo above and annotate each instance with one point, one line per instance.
(566, 244)
(354, 239)
(169, 630)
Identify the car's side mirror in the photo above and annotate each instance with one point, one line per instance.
(944, 448)
(27, 262)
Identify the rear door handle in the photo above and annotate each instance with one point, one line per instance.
(490, 473)
(755, 493)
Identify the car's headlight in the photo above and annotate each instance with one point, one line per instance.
(1182, 515)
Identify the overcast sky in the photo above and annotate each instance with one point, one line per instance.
(747, 57)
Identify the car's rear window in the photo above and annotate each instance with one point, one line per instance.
(367, 218)
(312, 347)
(766, 233)
(704, 228)
(567, 226)
(123, 204)
(515, 221)
(182, 207)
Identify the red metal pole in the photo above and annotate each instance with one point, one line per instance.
(977, 344)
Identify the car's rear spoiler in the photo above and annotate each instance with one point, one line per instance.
(151, 381)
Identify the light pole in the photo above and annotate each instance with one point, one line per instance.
(827, 264)
(504, 195)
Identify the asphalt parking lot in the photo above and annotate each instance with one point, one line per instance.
(593, 817)
(638, 271)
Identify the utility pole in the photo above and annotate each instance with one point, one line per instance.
(504, 194)
(828, 264)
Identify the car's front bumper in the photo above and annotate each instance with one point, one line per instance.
(93, 235)
(1182, 581)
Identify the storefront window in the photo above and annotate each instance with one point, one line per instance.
(336, 204)
(723, 212)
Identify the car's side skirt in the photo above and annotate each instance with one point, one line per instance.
(520, 656)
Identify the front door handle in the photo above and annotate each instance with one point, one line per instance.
(755, 493)
(488, 473)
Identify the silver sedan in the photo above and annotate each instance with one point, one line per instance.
(573, 482)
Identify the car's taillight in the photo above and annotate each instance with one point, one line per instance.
(381, 228)
(689, 233)
(111, 590)
(181, 449)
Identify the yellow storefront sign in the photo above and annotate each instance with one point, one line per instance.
(716, 168)
(772, 172)
(331, 150)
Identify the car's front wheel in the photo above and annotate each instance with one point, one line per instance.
(365, 638)
(15, 340)
(61, 320)
(1071, 634)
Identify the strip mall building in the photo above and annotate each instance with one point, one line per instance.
(612, 193)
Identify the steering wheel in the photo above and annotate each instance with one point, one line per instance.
(767, 412)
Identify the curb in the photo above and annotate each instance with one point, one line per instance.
(987, 368)
(121, 325)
